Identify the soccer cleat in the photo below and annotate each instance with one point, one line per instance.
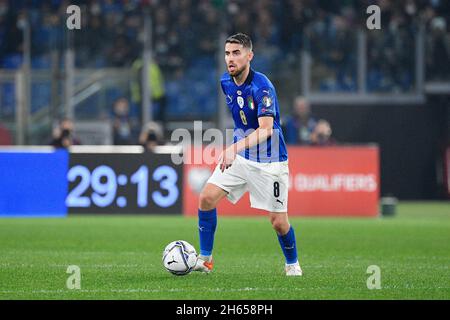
(293, 269)
(203, 266)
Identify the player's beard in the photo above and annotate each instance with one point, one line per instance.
(237, 72)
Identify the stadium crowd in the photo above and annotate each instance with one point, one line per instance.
(186, 39)
(112, 31)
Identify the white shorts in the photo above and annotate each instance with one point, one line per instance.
(267, 183)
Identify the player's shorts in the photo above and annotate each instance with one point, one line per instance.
(267, 183)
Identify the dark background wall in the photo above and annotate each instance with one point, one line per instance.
(411, 141)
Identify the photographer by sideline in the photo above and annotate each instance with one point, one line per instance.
(63, 136)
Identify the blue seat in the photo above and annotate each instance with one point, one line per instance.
(41, 62)
(177, 101)
(262, 64)
(203, 63)
(12, 61)
(8, 100)
(87, 109)
(112, 94)
(193, 96)
(40, 95)
(374, 80)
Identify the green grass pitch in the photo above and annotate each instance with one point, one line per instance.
(120, 257)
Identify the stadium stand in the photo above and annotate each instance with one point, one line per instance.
(271, 24)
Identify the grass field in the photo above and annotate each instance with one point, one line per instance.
(120, 257)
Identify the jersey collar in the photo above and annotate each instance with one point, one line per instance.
(247, 81)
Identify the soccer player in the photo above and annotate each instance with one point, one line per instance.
(257, 161)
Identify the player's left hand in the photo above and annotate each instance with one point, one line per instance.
(227, 158)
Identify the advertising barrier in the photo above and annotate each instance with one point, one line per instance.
(45, 182)
(33, 183)
(324, 181)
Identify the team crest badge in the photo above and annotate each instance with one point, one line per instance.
(250, 103)
(240, 102)
(267, 102)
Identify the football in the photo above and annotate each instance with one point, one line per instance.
(179, 257)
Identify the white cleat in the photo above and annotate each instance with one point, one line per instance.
(293, 269)
(203, 266)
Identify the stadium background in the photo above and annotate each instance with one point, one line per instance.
(387, 86)
(387, 89)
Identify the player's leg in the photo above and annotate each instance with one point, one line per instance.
(207, 223)
(286, 238)
(210, 196)
(269, 192)
(230, 183)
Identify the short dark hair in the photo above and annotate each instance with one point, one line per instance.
(241, 38)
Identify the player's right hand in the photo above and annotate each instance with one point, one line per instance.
(227, 157)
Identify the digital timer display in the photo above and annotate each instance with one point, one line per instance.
(123, 183)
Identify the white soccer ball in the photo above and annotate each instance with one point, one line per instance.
(179, 257)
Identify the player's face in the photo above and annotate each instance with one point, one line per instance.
(237, 58)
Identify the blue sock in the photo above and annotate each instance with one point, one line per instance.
(288, 245)
(207, 222)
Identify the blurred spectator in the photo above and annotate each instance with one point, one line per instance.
(188, 41)
(5, 136)
(151, 136)
(266, 37)
(156, 87)
(321, 136)
(13, 43)
(296, 16)
(63, 136)
(438, 46)
(122, 124)
(89, 49)
(300, 124)
(341, 55)
(241, 21)
(208, 41)
(120, 53)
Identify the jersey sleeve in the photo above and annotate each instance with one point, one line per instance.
(265, 100)
(223, 87)
(223, 81)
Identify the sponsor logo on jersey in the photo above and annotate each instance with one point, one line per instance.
(229, 99)
(240, 102)
(250, 102)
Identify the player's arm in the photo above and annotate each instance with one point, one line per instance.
(264, 99)
(258, 136)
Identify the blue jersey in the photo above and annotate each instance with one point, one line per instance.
(255, 98)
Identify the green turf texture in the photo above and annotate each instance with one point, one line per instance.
(120, 257)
